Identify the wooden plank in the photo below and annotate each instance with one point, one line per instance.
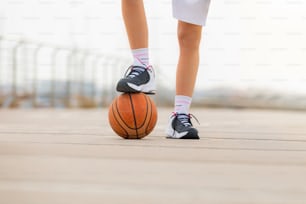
(72, 156)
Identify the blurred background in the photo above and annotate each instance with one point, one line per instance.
(71, 53)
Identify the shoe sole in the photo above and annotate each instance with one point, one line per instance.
(127, 89)
(184, 138)
(171, 135)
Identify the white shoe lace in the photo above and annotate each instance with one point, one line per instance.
(134, 71)
(185, 119)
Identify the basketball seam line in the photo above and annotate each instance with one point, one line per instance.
(123, 120)
(127, 134)
(135, 122)
(151, 113)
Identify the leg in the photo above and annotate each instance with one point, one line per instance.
(135, 23)
(189, 36)
(141, 76)
(192, 16)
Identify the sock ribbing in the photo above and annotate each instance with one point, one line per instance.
(182, 104)
(141, 57)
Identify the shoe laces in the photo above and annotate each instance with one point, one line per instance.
(134, 71)
(185, 119)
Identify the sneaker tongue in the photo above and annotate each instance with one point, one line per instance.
(184, 119)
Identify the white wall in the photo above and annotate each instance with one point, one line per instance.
(247, 43)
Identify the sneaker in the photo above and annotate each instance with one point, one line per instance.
(180, 127)
(138, 79)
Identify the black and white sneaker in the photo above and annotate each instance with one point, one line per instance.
(180, 127)
(138, 79)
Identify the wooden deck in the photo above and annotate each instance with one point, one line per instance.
(72, 156)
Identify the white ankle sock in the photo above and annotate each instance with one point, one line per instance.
(182, 104)
(141, 57)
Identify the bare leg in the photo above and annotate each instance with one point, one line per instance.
(135, 23)
(140, 77)
(189, 36)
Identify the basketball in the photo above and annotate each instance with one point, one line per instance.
(132, 115)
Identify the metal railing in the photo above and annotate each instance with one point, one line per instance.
(34, 74)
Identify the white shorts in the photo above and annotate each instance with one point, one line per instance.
(191, 11)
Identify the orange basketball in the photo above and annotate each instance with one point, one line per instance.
(132, 115)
